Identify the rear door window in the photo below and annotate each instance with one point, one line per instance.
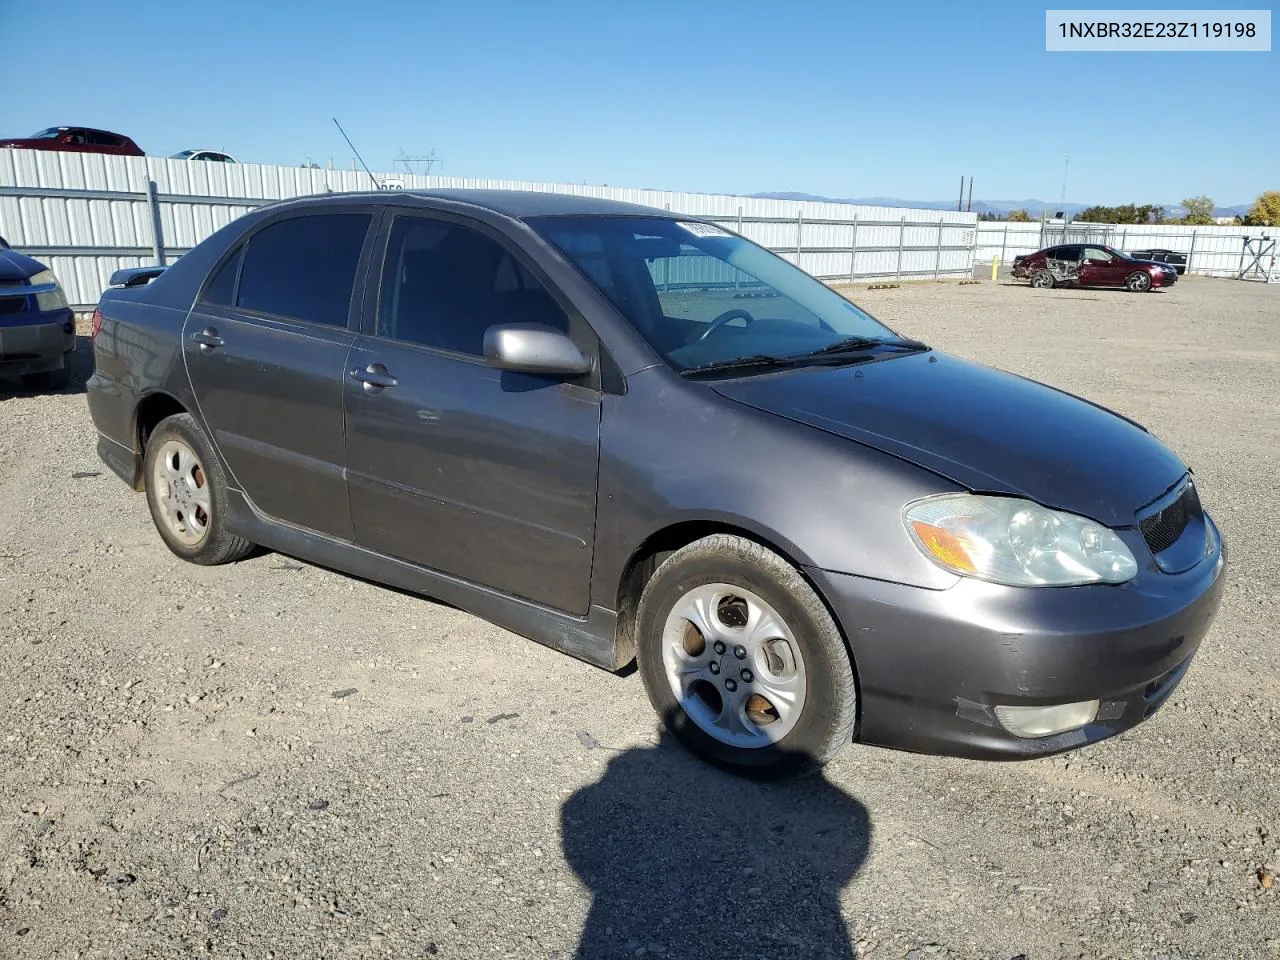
(304, 267)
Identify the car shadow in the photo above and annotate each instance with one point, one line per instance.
(684, 860)
(79, 369)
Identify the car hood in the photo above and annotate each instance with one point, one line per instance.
(982, 428)
(14, 266)
(21, 142)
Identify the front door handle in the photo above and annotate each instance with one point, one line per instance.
(208, 339)
(374, 377)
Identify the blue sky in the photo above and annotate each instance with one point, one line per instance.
(842, 99)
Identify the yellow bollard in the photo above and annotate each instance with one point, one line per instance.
(995, 266)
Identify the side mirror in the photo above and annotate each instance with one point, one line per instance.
(534, 348)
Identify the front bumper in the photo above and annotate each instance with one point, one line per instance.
(36, 342)
(933, 664)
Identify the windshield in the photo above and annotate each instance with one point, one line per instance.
(701, 296)
(50, 133)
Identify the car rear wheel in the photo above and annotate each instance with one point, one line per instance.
(186, 491)
(742, 660)
(1138, 282)
(1043, 279)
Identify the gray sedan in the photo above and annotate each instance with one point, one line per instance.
(635, 435)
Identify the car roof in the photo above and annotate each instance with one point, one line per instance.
(533, 203)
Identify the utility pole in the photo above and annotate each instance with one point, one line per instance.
(969, 206)
(960, 202)
(1062, 198)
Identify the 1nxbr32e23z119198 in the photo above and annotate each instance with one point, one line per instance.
(626, 433)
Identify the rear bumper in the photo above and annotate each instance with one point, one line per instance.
(36, 342)
(932, 665)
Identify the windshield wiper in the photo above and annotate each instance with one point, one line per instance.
(759, 361)
(862, 344)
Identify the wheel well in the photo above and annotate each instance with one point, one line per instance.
(649, 556)
(153, 408)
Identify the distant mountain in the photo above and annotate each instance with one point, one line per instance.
(1033, 207)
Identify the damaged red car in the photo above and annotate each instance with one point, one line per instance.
(1092, 265)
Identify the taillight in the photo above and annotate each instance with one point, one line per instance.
(97, 320)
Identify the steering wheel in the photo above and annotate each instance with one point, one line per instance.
(720, 321)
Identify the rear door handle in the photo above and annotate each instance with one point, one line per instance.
(208, 339)
(374, 377)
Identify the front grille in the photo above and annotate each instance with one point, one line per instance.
(1162, 529)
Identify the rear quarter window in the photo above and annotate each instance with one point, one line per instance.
(221, 288)
(304, 267)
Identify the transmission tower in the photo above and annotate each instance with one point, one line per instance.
(424, 162)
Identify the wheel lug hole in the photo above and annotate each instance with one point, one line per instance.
(731, 685)
(740, 652)
(715, 668)
(748, 676)
(719, 647)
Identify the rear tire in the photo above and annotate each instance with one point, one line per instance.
(762, 681)
(187, 493)
(1043, 280)
(48, 381)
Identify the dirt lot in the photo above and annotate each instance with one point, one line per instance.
(272, 760)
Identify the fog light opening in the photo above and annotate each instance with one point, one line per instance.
(1034, 722)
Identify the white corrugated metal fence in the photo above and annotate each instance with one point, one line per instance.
(86, 215)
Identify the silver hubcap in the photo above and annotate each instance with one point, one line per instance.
(1139, 281)
(734, 665)
(182, 492)
(1042, 280)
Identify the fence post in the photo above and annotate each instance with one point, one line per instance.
(853, 250)
(1193, 250)
(736, 272)
(937, 254)
(157, 236)
(799, 233)
(1123, 233)
(902, 232)
(1004, 240)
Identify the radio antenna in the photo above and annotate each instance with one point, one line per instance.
(376, 185)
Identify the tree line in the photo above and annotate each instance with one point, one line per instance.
(1265, 212)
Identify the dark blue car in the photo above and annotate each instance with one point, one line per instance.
(37, 328)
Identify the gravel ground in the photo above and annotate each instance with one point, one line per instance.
(272, 760)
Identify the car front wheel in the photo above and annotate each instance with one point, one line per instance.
(186, 491)
(1138, 282)
(1043, 279)
(742, 660)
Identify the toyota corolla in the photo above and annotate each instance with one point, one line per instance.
(632, 434)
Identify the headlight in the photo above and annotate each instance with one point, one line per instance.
(55, 299)
(1017, 542)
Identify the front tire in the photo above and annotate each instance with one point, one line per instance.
(742, 661)
(187, 494)
(1138, 282)
(1043, 280)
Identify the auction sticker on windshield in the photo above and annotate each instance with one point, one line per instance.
(703, 229)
